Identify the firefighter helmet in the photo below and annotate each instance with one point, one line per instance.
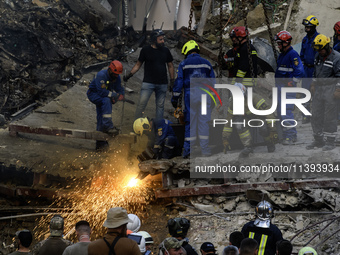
(140, 125)
(190, 46)
(311, 20)
(135, 225)
(283, 36)
(178, 227)
(264, 210)
(239, 32)
(307, 251)
(57, 225)
(320, 42)
(155, 33)
(337, 28)
(116, 67)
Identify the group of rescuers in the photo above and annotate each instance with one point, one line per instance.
(257, 237)
(317, 68)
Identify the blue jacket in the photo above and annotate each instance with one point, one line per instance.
(289, 66)
(103, 85)
(307, 53)
(162, 130)
(337, 45)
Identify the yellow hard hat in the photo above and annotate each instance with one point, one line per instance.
(311, 20)
(320, 42)
(307, 251)
(140, 125)
(189, 46)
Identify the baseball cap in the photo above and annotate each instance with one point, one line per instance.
(207, 246)
(116, 217)
(171, 243)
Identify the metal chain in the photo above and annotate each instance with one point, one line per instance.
(221, 40)
(190, 17)
(249, 49)
(270, 31)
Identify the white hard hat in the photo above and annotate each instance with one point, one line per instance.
(147, 236)
(140, 240)
(135, 226)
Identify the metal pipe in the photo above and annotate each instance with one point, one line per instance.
(176, 14)
(126, 13)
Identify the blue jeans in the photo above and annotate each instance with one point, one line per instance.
(145, 93)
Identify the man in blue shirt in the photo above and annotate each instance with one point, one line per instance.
(288, 72)
(307, 55)
(104, 91)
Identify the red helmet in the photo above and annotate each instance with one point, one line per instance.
(337, 28)
(116, 67)
(283, 36)
(239, 32)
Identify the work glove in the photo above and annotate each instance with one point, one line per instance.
(120, 97)
(114, 98)
(171, 85)
(127, 77)
(174, 101)
(291, 84)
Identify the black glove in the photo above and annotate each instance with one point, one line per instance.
(127, 77)
(174, 102)
(114, 98)
(171, 85)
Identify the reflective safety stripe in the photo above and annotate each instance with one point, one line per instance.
(157, 146)
(189, 138)
(328, 65)
(107, 116)
(258, 105)
(254, 52)
(249, 82)
(262, 245)
(204, 137)
(240, 73)
(329, 62)
(296, 79)
(166, 121)
(251, 235)
(177, 94)
(327, 134)
(170, 147)
(285, 69)
(110, 94)
(245, 134)
(230, 111)
(228, 129)
(196, 66)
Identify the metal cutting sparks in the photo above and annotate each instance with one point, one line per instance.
(133, 183)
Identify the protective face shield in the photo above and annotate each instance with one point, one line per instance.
(178, 227)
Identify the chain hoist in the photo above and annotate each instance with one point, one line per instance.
(190, 16)
(221, 40)
(250, 58)
(270, 32)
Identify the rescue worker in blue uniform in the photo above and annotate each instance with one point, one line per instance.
(196, 123)
(162, 138)
(326, 94)
(307, 56)
(289, 71)
(104, 91)
(336, 37)
(262, 230)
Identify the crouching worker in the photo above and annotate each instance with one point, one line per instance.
(104, 91)
(267, 129)
(162, 138)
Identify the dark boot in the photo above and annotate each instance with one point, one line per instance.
(318, 143)
(102, 145)
(330, 144)
(245, 152)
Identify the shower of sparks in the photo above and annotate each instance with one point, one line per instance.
(114, 185)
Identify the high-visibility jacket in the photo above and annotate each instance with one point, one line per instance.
(266, 237)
